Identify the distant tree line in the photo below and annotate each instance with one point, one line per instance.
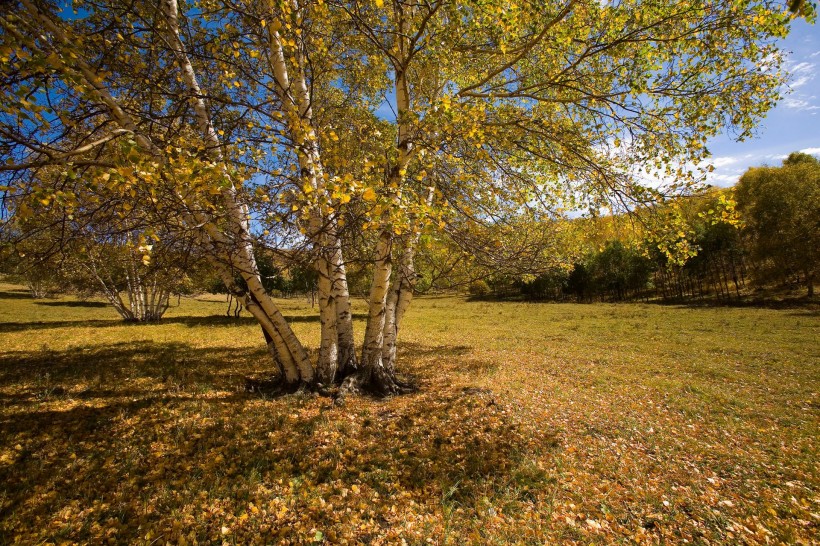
(769, 239)
(763, 233)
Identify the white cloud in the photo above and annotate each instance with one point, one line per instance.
(719, 162)
(800, 104)
(802, 67)
(811, 151)
(802, 73)
(800, 81)
(722, 180)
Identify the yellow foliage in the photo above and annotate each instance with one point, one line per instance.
(369, 194)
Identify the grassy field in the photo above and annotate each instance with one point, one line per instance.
(534, 424)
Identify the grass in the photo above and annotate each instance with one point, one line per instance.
(534, 424)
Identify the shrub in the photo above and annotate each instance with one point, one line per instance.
(479, 288)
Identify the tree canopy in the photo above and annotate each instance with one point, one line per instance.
(235, 117)
(781, 206)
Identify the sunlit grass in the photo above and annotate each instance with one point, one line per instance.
(534, 423)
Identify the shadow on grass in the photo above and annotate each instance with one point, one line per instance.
(810, 305)
(138, 435)
(114, 365)
(417, 350)
(429, 360)
(15, 295)
(96, 304)
(8, 327)
(190, 321)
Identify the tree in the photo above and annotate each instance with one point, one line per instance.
(498, 106)
(710, 253)
(618, 271)
(109, 234)
(42, 277)
(91, 245)
(780, 207)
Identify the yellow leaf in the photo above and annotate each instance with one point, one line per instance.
(369, 195)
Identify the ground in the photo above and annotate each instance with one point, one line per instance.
(533, 424)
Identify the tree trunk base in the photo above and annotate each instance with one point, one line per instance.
(382, 384)
(347, 369)
(271, 387)
(361, 381)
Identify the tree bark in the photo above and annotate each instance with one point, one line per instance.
(373, 374)
(347, 362)
(377, 300)
(328, 347)
(257, 301)
(295, 98)
(401, 293)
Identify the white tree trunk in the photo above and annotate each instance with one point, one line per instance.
(372, 368)
(373, 374)
(242, 252)
(402, 290)
(328, 347)
(336, 348)
(347, 362)
(401, 293)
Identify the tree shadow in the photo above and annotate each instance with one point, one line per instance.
(217, 320)
(805, 313)
(134, 436)
(15, 295)
(428, 360)
(811, 306)
(9, 327)
(190, 321)
(85, 370)
(96, 304)
(417, 350)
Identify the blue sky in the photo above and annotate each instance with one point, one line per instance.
(793, 125)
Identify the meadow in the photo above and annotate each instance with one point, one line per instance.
(532, 424)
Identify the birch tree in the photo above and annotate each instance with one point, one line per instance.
(547, 106)
(103, 242)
